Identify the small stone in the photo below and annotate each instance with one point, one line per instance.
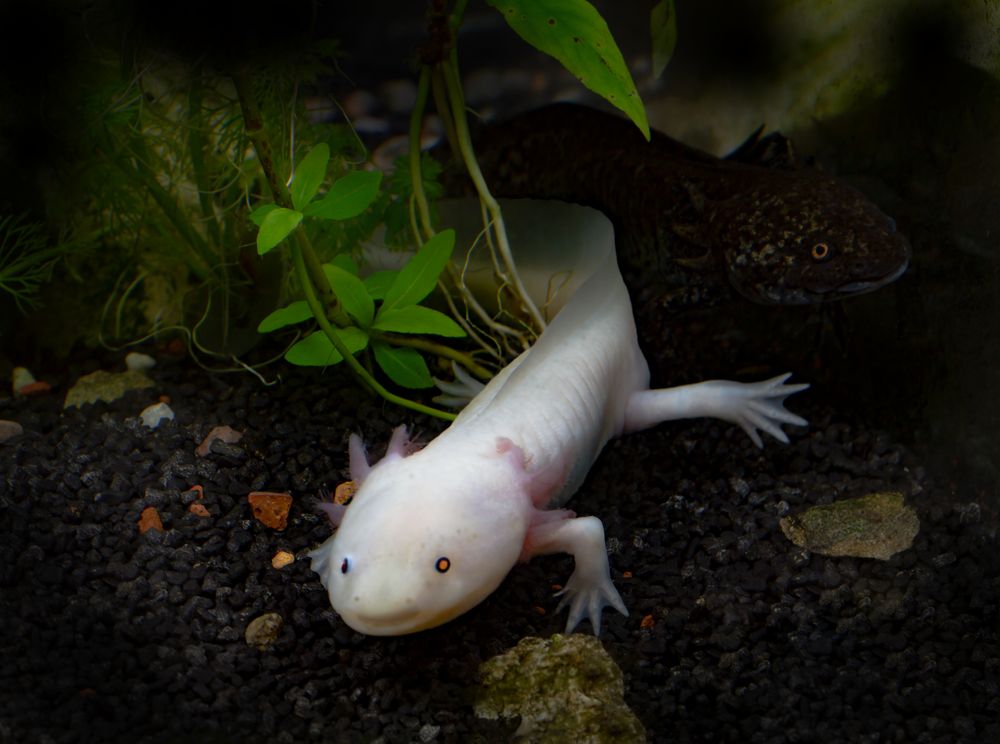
(263, 631)
(152, 415)
(21, 377)
(199, 510)
(106, 386)
(282, 558)
(226, 433)
(345, 493)
(9, 430)
(139, 362)
(877, 525)
(39, 387)
(150, 520)
(271, 509)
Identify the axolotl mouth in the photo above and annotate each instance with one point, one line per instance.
(396, 623)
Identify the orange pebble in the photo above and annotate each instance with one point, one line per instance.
(647, 622)
(282, 558)
(198, 510)
(345, 492)
(150, 520)
(40, 387)
(271, 509)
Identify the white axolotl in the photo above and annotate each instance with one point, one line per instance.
(432, 532)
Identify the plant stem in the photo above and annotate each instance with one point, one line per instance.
(253, 122)
(416, 176)
(349, 358)
(442, 350)
(454, 88)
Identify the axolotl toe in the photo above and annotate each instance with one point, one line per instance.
(431, 532)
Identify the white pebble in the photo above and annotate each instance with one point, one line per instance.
(154, 414)
(21, 377)
(139, 362)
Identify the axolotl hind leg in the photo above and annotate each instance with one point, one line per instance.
(752, 406)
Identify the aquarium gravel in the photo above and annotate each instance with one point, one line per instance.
(735, 634)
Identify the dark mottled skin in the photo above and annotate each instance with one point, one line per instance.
(694, 224)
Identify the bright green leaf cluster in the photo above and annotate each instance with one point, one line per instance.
(574, 33)
(399, 312)
(347, 198)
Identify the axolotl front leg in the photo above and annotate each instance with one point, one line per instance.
(752, 406)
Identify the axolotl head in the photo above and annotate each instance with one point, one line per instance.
(802, 237)
(422, 542)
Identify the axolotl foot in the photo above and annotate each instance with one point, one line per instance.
(590, 588)
(753, 406)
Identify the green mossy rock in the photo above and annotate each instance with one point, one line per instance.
(565, 688)
(106, 386)
(878, 525)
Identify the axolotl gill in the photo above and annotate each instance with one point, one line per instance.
(692, 227)
(431, 532)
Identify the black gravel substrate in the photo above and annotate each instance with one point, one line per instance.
(113, 636)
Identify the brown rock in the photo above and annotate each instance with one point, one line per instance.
(226, 433)
(271, 509)
(150, 520)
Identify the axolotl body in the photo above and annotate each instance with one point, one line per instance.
(432, 532)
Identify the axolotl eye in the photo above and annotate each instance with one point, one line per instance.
(442, 564)
(345, 566)
(821, 252)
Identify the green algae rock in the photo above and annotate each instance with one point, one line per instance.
(878, 525)
(565, 688)
(106, 386)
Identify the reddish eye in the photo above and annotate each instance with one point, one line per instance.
(821, 251)
(345, 567)
(442, 565)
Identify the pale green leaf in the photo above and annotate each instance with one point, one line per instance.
(316, 350)
(309, 175)
(257, 215)
(418, 319)
(574, 33)
(663, 26)
(420, 274)
(285, 316)
(378, 283)
(276, 226)
(352, 294)
(344, 261)
(348, 197)
(404, 365)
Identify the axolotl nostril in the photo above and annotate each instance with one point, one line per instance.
(431, 532)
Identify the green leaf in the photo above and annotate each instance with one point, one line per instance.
(404, 365)
(574, 33)
(378, 283)
(309, 175)
(417, 319)
(663, 26)
(276, 226)
(315, 350)
(285, 316)
(352, 294)
(420, 274)
(348, 197)
(345, 262)
(257, 215)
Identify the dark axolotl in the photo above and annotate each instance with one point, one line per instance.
(690, 225)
